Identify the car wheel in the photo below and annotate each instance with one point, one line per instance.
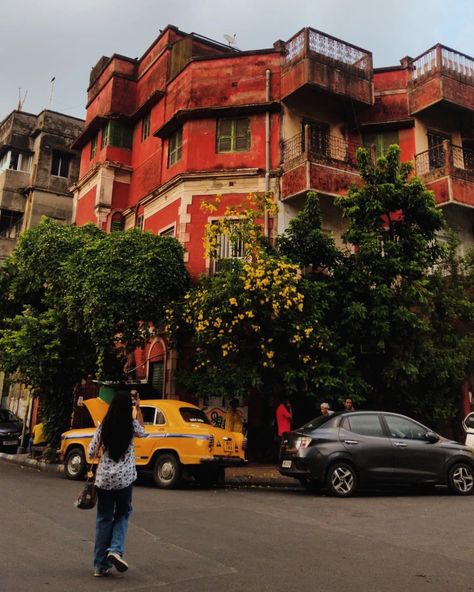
(310, 485)
(461, 479)
(341, 480)
(167, 471)
(75, 464)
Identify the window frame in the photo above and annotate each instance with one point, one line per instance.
(117, 135)
(140, 221)
(20, 158)
(347, 425)
(168, 232)
(381, 141)
(64, 159)
(175, 147)
(415, 424)
(94, 143)
(233, 137)
(146, 126)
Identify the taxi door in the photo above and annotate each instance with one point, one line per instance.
(155, 427)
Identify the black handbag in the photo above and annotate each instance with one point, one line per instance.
(88, 497)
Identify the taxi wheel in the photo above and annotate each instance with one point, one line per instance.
(167, 471)
(75, 464)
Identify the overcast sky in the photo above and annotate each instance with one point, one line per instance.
(65, 38)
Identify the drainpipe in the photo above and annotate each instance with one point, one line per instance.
(267, 147)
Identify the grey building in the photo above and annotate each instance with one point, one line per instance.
(37, 168)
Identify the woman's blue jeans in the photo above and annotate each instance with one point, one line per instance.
(114, 507)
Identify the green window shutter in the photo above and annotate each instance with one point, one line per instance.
(382, 141)
(242, 135)
(156, 378)
(224, 135)
(146, 126)
(175, 147)
(105, 136)
(233, 135)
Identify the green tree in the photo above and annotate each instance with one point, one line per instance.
(37, 344)
(118, 288)
(256, 325)
(392, 291)
(74, 299)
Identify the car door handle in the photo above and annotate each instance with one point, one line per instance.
(400, 444)
(351, 442)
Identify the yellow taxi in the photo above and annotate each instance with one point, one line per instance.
(180, 442)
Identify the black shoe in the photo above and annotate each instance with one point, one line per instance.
(117, 561)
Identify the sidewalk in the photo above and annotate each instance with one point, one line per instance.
(255, 475)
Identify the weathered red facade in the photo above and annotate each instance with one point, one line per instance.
(154, 147)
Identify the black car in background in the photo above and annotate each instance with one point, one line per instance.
(348, 450)
(10, 430)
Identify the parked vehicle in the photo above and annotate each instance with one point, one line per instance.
(10, 430)
(468, 425)
(348, 450)
(179, 441)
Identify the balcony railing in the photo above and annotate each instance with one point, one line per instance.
(320, 147)
(444, 156)
(312, 43)
(445, 60)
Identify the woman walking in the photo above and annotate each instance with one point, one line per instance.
(116, 472)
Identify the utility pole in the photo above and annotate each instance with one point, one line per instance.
(53, 80)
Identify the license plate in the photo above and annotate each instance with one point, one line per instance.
(286, 464)
(11, 442)
(228, 447)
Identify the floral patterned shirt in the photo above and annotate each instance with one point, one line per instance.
(111, 474)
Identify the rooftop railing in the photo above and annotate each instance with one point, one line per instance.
(312, 43)
(442, 59)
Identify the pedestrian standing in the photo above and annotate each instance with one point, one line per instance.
(284, 415)
(325, 409)
(348, 405)
(116, 472)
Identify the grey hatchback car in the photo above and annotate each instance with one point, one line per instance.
(10, 429)
(348, 450)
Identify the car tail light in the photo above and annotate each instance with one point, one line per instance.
(211, 441)
(244, 444)
(302, 442)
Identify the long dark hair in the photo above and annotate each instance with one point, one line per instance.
(117, 427)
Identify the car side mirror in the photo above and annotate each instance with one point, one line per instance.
(431, 436)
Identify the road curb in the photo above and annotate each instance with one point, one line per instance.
(232, 479)
(24, 461)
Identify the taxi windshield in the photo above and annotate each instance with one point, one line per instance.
(192, 415)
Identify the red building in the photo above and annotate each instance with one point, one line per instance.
(193, 118)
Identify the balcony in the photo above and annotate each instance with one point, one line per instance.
(315, 161)
(441, 75)
(316, 60)
(448, 171)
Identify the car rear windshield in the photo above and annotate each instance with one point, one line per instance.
(7, 416)
(320, 421)
(193, 415)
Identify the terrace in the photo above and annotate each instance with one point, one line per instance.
(439, 75)
(448, 171)
(317, 161)
(316, 60)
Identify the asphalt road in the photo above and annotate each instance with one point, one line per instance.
(246, 539)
